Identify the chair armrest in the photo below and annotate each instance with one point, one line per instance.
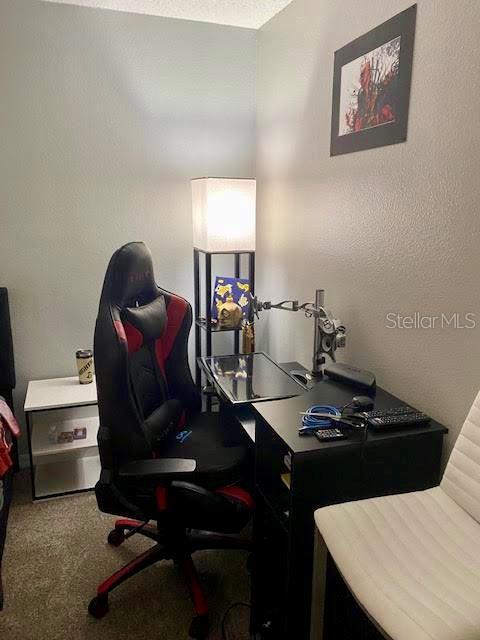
(157, 469)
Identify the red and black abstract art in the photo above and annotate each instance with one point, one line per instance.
(372, 78)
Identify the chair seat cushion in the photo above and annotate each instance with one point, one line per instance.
(210, 443)
(412, 561)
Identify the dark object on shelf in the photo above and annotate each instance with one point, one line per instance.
(371, 86)
(351, 375)
(322, 473)
(205, 291)
(191, 488)
(80, 433)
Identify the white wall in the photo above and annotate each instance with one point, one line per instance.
(104, 118)
(394, 229)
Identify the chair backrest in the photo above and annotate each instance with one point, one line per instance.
(141, 353)
(461, 480)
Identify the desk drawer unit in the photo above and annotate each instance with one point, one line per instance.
(295, 475)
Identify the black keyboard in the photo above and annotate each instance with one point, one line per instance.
(397, 418)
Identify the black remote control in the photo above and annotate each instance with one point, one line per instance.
(325, 435)
(398, 421)
(393, 411)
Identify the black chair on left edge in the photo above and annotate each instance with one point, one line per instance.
(162, 459)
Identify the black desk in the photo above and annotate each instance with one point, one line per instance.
(321, 474)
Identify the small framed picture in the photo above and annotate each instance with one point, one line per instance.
(80, 433)
(371, 86)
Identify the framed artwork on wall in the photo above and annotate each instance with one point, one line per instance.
(371, 86)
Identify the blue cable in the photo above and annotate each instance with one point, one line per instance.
(313, 422)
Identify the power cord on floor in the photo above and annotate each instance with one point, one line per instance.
(225, 616)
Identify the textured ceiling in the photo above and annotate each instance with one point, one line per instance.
(241, 13)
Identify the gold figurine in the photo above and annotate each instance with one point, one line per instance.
(229, 314)
(248, 337)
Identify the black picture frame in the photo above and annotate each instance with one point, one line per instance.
(402, 25)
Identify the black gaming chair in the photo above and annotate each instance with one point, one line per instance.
(162, 459)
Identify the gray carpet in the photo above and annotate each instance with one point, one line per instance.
(56, 554)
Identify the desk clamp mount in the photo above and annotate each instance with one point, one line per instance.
(329, 333)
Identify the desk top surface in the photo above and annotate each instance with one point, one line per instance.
(284, 417)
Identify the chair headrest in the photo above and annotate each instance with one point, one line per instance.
(129, 276)
(150, 319)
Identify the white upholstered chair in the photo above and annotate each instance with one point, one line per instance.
(411, 561)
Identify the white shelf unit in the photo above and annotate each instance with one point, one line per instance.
(62, 468)
(61, 478)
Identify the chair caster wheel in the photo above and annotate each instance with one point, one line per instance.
(98, 607)
(199, 628)
(116, 537)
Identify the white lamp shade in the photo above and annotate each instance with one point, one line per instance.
(223, 214)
